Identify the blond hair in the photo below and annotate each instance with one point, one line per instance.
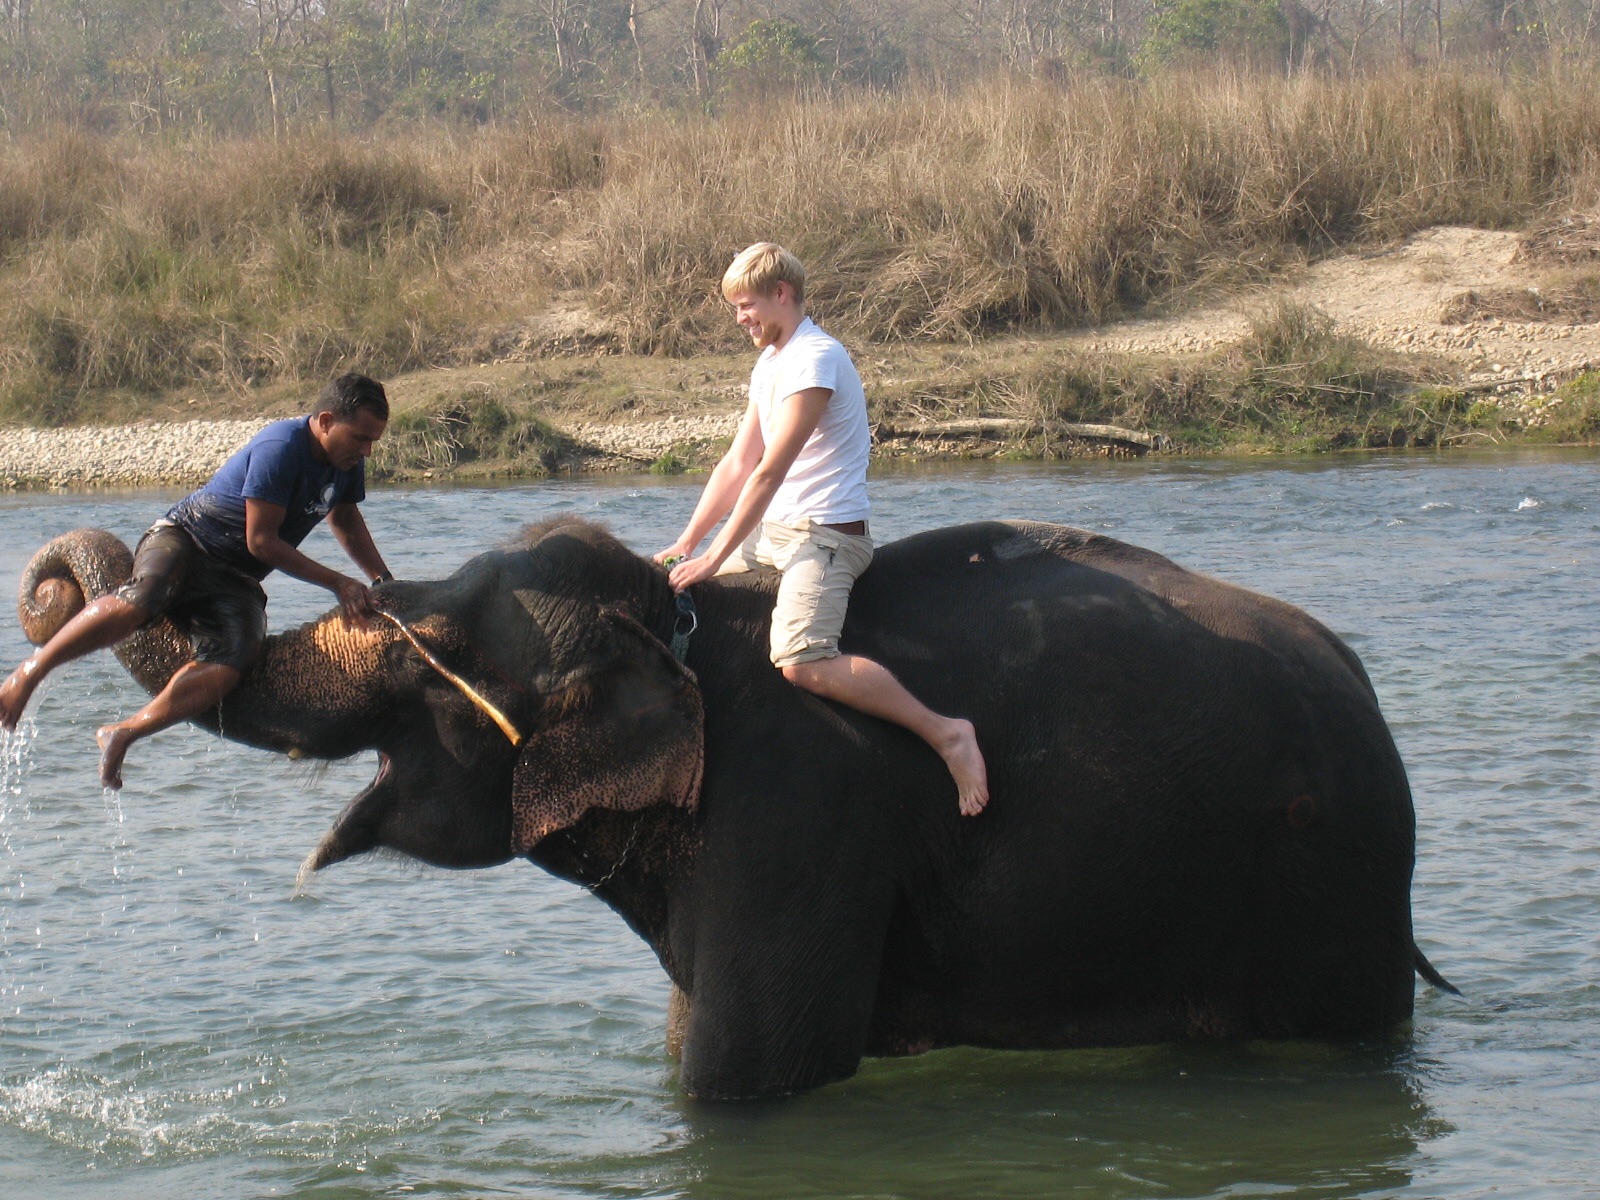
(761, 268)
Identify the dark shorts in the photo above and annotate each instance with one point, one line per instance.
(223, 611)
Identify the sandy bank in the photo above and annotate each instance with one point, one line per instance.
(1404, 298)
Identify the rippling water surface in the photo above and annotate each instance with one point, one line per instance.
(174, 1021)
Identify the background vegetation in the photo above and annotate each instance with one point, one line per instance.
(219, 196)
(136, 265)
(247, 66)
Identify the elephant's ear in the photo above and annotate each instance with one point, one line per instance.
(629, 736)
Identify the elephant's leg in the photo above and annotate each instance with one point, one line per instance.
(677, 1021)
(785, 974)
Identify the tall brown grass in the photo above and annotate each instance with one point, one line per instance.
(139, 266)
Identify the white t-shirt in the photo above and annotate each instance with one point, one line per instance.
(828, 481)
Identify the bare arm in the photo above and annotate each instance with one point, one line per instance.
(350, 529)
(722, 489)
(262, 521)
(796, 420)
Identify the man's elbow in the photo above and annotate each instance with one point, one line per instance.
(768, 477)
(739, 461)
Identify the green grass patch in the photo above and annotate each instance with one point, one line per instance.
(472, 433)
(1572, 414)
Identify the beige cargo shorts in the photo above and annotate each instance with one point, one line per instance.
(820, 564)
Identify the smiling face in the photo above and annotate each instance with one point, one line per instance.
(345, 442)
(768, 319)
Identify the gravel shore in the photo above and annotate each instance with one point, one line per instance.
(187, 453)
(180, 452)
(646, 441)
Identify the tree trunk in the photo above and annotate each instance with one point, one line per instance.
(272, 101)
(633, 32)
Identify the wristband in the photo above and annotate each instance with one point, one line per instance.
(386, 577)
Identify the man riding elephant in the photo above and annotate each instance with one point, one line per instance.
(202, 564)
(793, 487)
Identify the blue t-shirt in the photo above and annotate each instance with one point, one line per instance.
(275, 466)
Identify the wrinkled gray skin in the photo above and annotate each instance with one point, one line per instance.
(1200, 827)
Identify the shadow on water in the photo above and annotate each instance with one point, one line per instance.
(1165, 1121)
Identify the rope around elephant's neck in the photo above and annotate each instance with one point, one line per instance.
(465, 688)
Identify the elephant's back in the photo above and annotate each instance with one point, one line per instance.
(1003, 590)
(1185, 777)
(1101, 675)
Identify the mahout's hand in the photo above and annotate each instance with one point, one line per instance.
(355, 601)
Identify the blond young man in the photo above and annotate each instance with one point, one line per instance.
(793, 489)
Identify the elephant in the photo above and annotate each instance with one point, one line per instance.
(1200, 829)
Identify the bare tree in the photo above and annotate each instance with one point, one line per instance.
(705, 43)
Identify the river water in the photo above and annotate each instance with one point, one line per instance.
(175, 1021)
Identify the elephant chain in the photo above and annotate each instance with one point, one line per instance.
(633, 839)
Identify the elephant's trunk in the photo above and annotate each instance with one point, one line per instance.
(77, 568)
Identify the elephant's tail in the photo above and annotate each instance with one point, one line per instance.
(1427, 971)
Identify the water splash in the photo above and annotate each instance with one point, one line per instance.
(155, 1113)
(1527, 503)
(117, 839)
(16, 757)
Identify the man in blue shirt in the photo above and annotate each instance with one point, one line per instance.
(202, 564)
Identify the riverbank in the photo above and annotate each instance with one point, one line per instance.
(176, 452)
(139, 266)
(1451, 336)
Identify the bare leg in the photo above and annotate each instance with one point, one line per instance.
(871, 688)
(104, 623)
(193, 689)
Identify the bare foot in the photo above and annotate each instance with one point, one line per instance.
(114, 741)
(15, 692)
(965, 760)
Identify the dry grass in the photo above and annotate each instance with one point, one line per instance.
(1570, 298)
(1566, 240)
(134, 268)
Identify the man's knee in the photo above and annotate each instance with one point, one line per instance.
(796, 673)
(811, 674)
(210, 680)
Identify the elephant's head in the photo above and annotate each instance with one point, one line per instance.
(553, 635)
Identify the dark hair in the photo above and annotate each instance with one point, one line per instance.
(348, 394)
